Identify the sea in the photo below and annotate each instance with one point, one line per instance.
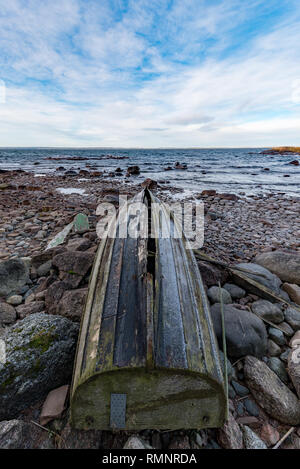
(244, 171)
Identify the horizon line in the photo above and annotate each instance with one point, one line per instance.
(135, 148)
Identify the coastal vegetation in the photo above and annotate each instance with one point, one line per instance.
(282, 150)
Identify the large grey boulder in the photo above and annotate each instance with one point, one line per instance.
(72, 304)
(39, 357)
(44, 256)
(267, 310)
(245, 333)
(271, 393)
(8, 314)
(53, 296)
(259, 274)
(14, 274)
(286, 265)
(79, 244)
(30, 308)
(211, 274)
(17, 434)
(73, 266)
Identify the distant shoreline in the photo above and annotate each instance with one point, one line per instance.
(282, 151)
(130, 148)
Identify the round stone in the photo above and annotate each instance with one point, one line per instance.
(14, 300)
(278, 367)
(214, 294)
(235, 291)
(277, 336)
(267, 310)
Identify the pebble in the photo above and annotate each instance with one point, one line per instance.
(251, 439)
(135, 442)
(269, 434)
(14, 300)
(215, 292)
(295, 340)
(277, 400)
(213, 445)
(287, 329)
(293, 292)
(251, 407)
(277, 336)
(230, 369)
(44, 269)
(156, 441)
(240, 389)
(236, 292)
(267, 310)
(284, 356)
(278, 367)
(292, 317)
(240, 409)
(231, 392)
(7, 314)
(40, 234)
(273, 349)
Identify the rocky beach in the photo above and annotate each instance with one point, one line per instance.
(149, 229)
(42, 294)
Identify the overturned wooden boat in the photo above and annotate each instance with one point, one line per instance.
(147, 356)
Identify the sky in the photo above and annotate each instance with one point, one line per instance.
(149, 73)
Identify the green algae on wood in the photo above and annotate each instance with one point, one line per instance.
(146, 332)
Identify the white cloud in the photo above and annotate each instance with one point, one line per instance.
(79, 76)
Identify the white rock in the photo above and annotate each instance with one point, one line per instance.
(251, 440)
(135, 442)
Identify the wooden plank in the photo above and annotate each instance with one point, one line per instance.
(130, 346)
(157, 399)
(106, 343)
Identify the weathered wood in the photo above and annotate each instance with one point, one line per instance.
(147, 333)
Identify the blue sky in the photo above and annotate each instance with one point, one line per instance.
(141, 73)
